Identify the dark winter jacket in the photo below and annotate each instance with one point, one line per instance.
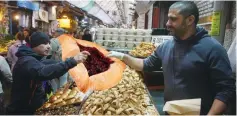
(194, 68)
(29, 72)
(87, 37)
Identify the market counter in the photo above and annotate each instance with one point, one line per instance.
(129, 97)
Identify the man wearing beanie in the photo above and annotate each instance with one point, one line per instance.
(29, 72)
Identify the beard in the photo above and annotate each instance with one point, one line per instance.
(178, 31)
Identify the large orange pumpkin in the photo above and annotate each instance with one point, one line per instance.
(100, 81)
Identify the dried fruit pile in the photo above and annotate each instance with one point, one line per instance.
(96, 62)
(129, 97)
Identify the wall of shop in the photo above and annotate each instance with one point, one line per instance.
(150, 17)
(230, 32)
(141, 21)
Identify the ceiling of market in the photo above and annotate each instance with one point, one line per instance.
(110, 11)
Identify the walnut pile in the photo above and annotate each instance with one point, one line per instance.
(143, 50)
(129, 97)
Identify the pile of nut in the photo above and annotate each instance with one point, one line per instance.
(64, 98)
(64, 110)
(127, 98)
(143, 50)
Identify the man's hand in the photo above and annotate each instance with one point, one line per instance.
(118, 55)
(81, 57)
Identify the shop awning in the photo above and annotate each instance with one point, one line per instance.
(94, 9)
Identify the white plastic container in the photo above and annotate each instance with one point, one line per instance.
(147, 39)
(115, 31)
(107, 30)
(148, 32)
(106, 44)
(130, 32)
(122, 44)
(139, 39)
(115, 37)
(122, 31)
(130, 45)
(107, 37)
(140, 32)
(99, 36)
(122, 38)
(100, 30)
(137, 44)
(130, 37)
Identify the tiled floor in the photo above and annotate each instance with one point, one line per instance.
(158, 98)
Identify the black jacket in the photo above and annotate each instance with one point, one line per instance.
(87, 37)
(30, 70)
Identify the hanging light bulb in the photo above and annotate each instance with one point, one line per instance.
(16, 17)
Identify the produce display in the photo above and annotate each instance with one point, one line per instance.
(143, 50)
(96, 62)
(129, 97)
(64, 98)
(64, 110)
(5, 44)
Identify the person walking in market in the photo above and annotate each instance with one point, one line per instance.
(87, 36)
(29, 72)
(6, 83)
(56, 54)
(11, 57)
(195, 65)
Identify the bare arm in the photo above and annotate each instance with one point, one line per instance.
(218, 107)
(135, 63)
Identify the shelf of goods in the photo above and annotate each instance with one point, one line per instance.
(4, 45)
(129, 97)
(122, 40)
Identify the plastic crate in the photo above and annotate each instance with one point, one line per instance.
(157, 40)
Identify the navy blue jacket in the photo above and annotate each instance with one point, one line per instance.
(194, 68)
(29, 72)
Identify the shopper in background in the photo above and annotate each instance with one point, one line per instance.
(77, 35)
(194, 64)
(6, 81)
(56, 54)
(29, 72)
(26, 32)
(87, 36)
(11, 57)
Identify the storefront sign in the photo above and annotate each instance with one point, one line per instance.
(43, 15)
(52, 13)
(216, 21)
(64, 23)
(28, 4)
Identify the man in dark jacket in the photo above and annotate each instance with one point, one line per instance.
(87, 36)
(194, 64)
(29, 72)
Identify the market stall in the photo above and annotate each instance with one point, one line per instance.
(103, 93)
(4, 45)
(129, 97)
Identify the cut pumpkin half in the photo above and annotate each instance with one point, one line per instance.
(104, 72)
